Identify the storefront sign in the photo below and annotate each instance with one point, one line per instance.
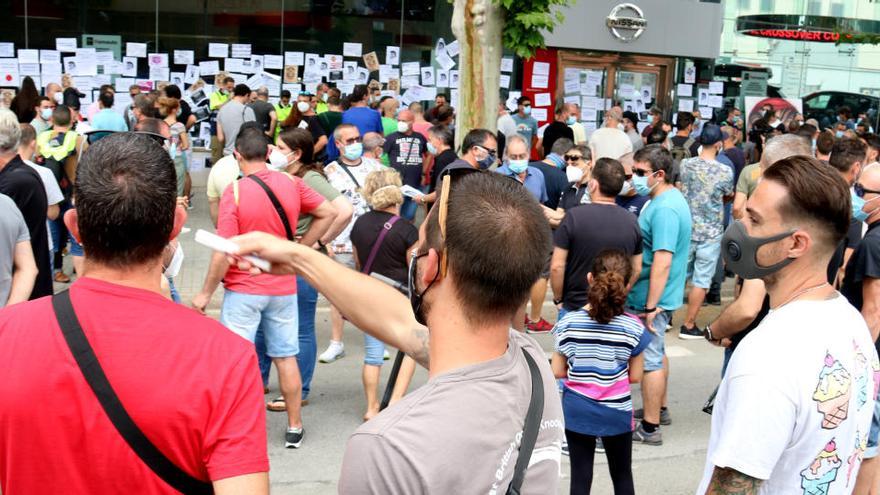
(626, 22)
(754, 83)
(794, 34)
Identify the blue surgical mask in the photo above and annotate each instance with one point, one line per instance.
(857, 204)
(431, 149)
(571, 120)
(640, 184)
(518, 166)
(46, 113)
(527, 110)
(839, 134)
(557, 160)
(353, 151)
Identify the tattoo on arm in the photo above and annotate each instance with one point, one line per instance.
(726, 481)
(420, 353)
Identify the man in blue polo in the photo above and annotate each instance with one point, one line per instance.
(665, 223)
(516, 165)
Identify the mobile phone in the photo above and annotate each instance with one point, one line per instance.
(218, 243)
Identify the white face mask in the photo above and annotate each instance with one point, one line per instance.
(176, 262)
(574, 174)
(277, 160)
(303, 106)
(620, 126)
(402, 127)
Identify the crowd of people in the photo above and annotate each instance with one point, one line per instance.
(372, 206)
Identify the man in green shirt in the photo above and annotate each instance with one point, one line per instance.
(333, 116)
(321, 97)
(389, 107)
(217, 100)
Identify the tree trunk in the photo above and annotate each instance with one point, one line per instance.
(477, 25)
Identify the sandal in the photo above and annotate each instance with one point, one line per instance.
(277, 405)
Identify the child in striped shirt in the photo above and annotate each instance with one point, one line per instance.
(598, 353)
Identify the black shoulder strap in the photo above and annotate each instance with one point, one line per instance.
(531, 428)
(347, 171)
(276, 204)
(91, 369)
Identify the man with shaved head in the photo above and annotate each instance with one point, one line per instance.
(407, 151)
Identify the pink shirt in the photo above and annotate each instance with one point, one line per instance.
(422, 128)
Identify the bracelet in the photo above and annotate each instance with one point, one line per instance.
(707, 333)
(650, 310)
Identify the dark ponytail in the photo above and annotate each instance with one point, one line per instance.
(607, 293)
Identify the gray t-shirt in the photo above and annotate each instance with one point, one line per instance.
(261, 110)
(12, 231)
(458, 433)
(231, 117)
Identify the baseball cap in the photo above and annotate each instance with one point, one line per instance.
(711, 134)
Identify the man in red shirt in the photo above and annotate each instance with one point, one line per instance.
(190, 385)
(265, 302)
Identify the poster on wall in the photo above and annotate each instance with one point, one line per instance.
(785, 108)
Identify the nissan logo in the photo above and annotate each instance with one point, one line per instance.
(626, 22)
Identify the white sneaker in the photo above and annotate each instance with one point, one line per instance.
(386, 355)
(336, 350)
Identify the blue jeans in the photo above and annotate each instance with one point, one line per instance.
(656, 349)
(408, 209)
(374, 350)
(307, 301)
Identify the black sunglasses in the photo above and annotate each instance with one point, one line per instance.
(641, 173)
(861, 191)
(572, 158)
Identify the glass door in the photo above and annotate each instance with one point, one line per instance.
(636, 92)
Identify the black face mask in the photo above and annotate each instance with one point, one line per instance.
(416, 298)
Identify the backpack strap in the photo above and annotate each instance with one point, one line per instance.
(379, 240)
(530, 429)
(277, 204)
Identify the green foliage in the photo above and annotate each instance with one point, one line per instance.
(525, 22)
(858, 39)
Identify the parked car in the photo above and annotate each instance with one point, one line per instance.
(823, 106)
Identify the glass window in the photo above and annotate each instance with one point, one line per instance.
(767, 6)
(814, 7)
(836, 10)
(745, 4)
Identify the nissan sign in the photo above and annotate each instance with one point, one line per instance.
(626, 22)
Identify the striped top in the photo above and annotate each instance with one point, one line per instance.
(596, 397)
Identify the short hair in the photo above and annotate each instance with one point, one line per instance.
(825, 142)
(251, 144)
(152, 125)
(784, 146)
(382, 188)
(285, 93)
(522, 99)
(134, 86)
(241, 90)
(372, 140)
(806, 131)
(359, 93)
(658, 157)
(585, 150)
(337, 133)
(560, 107)
(846, 152)
(10, 132)
(61, 115)
(657, 136)
(28, 135)
(515, 138)
(872, 141)
(41, 99)
(476, 137)
(816, 194)
(561, 146)
(262, 91)
(145, 104)
(683, 119)
(172, 91)
(334, 101)
(610, 175)
(299, 139)
(488, 210)
(126, 191)
(227, 80)
(844, 110)
(416, 107)
(442, 133)
(445, 112)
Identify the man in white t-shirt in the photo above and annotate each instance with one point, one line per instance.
(794, 409)
(347, 175)
(27, 148)
(610, 141)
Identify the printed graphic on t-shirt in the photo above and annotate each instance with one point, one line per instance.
(410, 152)
(833, 393)
(818, 476)
(855, 459)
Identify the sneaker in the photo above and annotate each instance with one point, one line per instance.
(386, 355)
(336, 350)
(600, 447)
(713, 300)
(665, 419)
(692, 333)
(642, 436)
(564, 447)
(293, 438)
(540, 326)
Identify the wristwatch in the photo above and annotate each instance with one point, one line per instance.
(707, 334)
(322, 246)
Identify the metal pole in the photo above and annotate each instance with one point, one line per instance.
(400, 41)
(157, 25)
(26, 40)
(281, 52)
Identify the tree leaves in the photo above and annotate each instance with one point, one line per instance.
(526, 20)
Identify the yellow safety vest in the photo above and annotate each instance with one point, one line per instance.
(57, 153)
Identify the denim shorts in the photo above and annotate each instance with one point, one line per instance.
(655, 350)
(374, 350)
(276, 316)
(874, 432)
(702, 258)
